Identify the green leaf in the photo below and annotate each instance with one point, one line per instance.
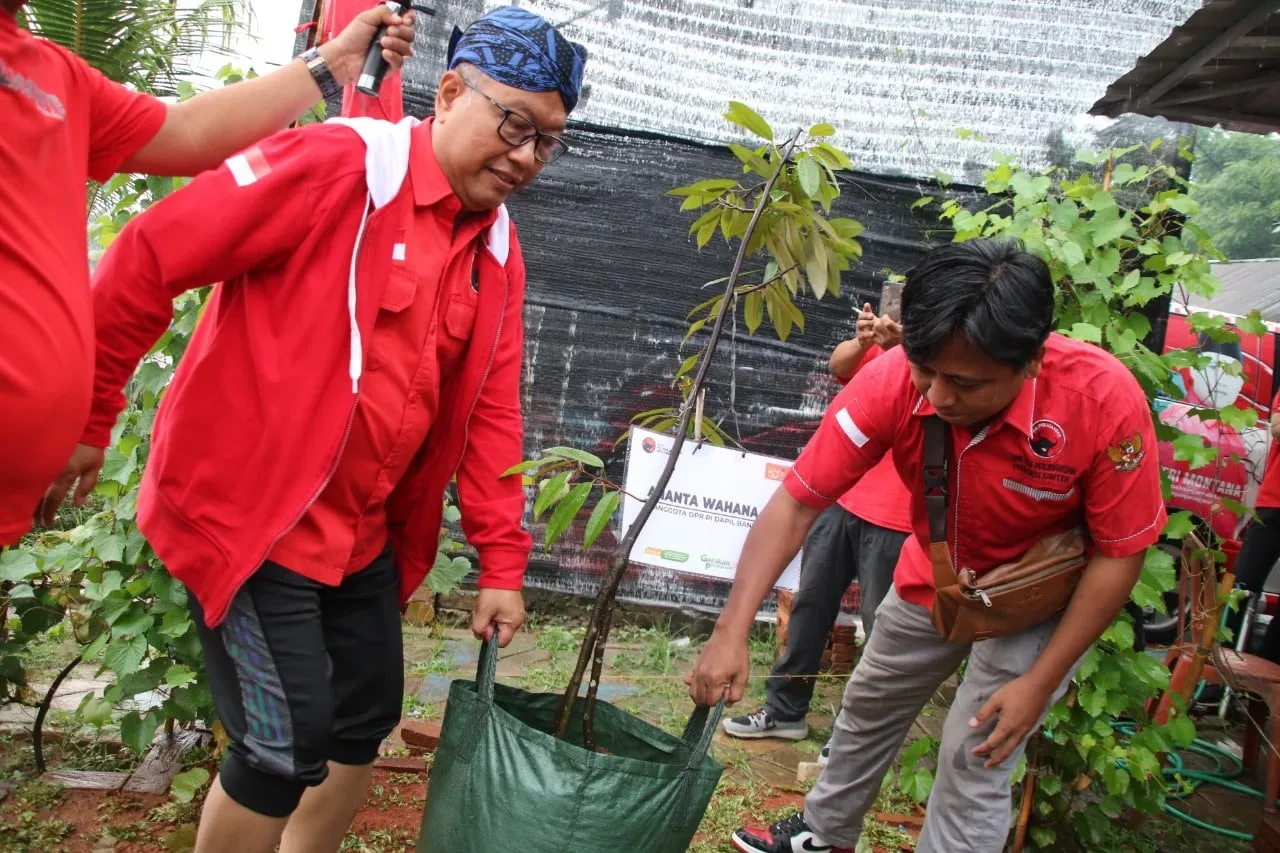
(118, 467)
(1120, 634)
(125, 654)
(1151, 671)
(1252, 323)
(1042, 836)
(1086, 332)
(1181, 729)
(137, 731)
(18, 565)
(1193, 450)
(919, 748)
(917, 785)
(1183, 204)
(1238, 418)
(565, 512)
(178, 675)
(921, 202)
(688, 364)
(1179, 525)
(526, 465)
(751, 160)
(132, 622)
(822, 129)
(447, 574)
(551, 492)
(95, 711)
(747, 119)
(187, 784)
(575, 455)
(1049, 784)
(809, 174)
(833, 154)
(600, 517)
(753, 311)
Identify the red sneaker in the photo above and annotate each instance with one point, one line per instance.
(790, 835)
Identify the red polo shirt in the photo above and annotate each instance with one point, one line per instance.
(412, 356)
(1269, 490)
(1077, 445)
(63, 123)
(880, 497)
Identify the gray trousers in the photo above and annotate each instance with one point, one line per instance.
(901, 667)
(839, 549)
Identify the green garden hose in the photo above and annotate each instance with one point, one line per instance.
(1226, 771)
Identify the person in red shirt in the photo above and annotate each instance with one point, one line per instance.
(1046, 434)
(858, 538)
(1261, 546)
(364, 347)
(64, 123)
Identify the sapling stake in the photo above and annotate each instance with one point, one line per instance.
(596, 628)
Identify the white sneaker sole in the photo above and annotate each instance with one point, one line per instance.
(772, 733)
(742, 845)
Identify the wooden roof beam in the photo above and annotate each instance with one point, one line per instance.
(1210, 91)
(1240, 28)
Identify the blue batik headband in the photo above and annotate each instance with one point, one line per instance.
(520, 49)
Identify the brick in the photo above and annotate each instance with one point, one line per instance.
(808, 770)
(401, 765)
(420, 734)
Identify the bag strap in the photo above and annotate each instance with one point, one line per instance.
(698, 733)
(473, 726)
(937, 437)
(487, 672)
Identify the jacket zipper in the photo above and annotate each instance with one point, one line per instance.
(484, 377)
(333, 465)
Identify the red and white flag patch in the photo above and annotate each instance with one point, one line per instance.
(249, 166)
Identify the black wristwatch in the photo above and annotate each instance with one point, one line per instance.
(321, 74)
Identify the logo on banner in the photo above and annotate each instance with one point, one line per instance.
(1047, 439)
(673, 556)
(649, 445)
(774, 471)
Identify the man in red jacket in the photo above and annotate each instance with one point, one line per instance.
(64, 123)
(365, 345)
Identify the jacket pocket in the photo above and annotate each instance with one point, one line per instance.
(401, 291)
(461, 316)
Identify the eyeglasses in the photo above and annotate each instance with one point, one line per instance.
(516, 130)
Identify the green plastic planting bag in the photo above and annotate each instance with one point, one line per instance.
(500, 782)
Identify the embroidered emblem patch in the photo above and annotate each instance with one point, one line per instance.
(1047, 439)
(1127, 454)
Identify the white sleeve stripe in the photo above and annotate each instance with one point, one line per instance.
(241, 170)
(857, 436)
(1133, 535)
(811, 489)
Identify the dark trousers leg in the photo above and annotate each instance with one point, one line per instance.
(1258, 554)
(878, 550)
(828, 565)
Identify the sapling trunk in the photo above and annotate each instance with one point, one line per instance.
(605, 598)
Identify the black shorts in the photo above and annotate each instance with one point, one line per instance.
(303, 674)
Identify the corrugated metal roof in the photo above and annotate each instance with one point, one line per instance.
(1221, 67)
(1246, 285)
(896, 77)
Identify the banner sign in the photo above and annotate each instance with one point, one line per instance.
(714, 497)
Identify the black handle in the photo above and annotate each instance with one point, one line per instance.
(375, 66)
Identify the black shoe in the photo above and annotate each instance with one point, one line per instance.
(790, 835)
